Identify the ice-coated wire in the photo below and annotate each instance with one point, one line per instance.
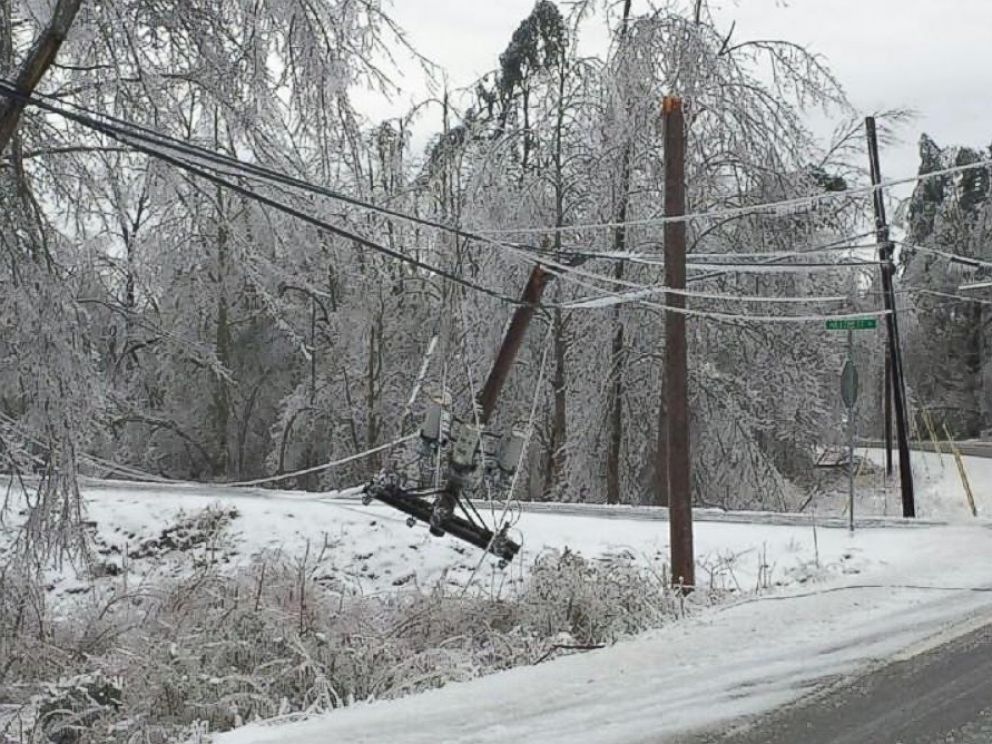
(325, 466)
(656, 259)
(954, 257)
(947, 295)
(142, 475)
(125, 137)
(652, 291)
(570, 272)
(90, 117)
(771, 208)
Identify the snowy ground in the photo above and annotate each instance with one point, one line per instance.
(726, 663)
(369, 549)
(889, 592)
(830, 603)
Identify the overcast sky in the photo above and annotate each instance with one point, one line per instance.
(933, 56)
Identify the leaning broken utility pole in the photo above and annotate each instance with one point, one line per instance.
(467, 453)
(885, 251)
(673, 417)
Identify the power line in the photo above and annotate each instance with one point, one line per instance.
(957, 258)
(320, 468)
(91, 118)
(656, 259)
(613, 300)
(146, 134)
(565, 270)
(132, 130)
(783, 206)
(796, 268)
(947, 295)
(776, 261)
(139, 132)
(125, 138)
(651, 291)
(794, 253)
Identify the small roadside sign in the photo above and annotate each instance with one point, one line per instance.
(849, 384)
(852, 324)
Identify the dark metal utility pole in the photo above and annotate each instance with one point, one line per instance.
(887, 411)
(673, 417)
(895, 354)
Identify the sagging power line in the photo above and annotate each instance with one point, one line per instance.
(125, 136)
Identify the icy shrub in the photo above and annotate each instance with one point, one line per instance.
(24, 632)
(593, 601)
(70, 708)
(209, 652)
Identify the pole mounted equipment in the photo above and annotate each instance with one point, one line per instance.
(473, 454)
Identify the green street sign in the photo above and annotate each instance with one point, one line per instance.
(852, 324)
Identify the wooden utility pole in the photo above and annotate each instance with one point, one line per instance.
(514, 337)
(673, 416)
(486, 401)
(892, 325)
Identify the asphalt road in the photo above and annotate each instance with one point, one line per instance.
(943, 696)
(969, 448)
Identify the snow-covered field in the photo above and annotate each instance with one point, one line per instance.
(887, 592)
(370, 549)
(724, 663)
(811, 602)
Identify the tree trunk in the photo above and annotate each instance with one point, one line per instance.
(615, 418)
(35, 65)
(373, 388)
(222, 341)
(559, 424)
(614, 442)
(617, 355)
(222, 334)
(6, 42)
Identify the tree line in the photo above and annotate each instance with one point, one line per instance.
(156, 322)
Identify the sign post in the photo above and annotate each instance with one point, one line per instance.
(849, 394)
